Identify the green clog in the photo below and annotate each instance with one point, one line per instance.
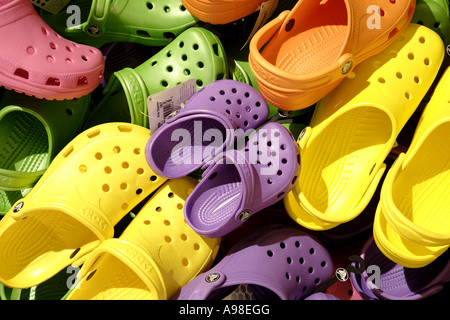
(435, 15)
(97, 22)
(196, 53)
(32, 132)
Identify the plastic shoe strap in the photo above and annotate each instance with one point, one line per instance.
(436, 285)
(402, 225)
(13, 180)
(136, 93)
(96, 22)
(85, 213)
(135, 258)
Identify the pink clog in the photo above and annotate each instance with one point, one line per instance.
(37, 61)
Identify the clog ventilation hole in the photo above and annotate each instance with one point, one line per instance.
(54, 81)
(125, 165)
(302, 261)
(165, 9)
(187, 70)
(167, 223)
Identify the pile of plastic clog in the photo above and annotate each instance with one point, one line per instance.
(224, 150)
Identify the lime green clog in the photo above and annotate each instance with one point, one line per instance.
(97, 22)
(32, 132)
(196, 53)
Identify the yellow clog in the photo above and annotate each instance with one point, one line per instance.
(156, 255)
(354, 128)
(412, 222)
(89, 186)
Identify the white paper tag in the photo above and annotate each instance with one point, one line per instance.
(164, 104)
(52, 6)
(265, 12)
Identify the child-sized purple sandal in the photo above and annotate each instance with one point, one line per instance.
(239, 183)
(211, 121)
(276, 261)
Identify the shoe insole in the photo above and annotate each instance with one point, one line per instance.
(52, 289)
(113, 280)
(422, 191)
(27, 245)
(218, 200)
(311, 50)
(336, 169)
(24, 148)
(25, 143)
(315, 41)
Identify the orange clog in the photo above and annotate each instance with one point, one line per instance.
(310, 49)
(221, 11)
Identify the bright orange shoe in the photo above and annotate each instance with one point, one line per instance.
(221, 11)
(311, 48)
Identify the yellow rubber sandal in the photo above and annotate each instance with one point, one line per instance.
(354, 128)
(156, 255)
(412, 222)
(90, 186)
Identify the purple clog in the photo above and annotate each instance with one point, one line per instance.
(276, 261)
(398, 282)
(322, 296)
(239, 183)
(213, 119)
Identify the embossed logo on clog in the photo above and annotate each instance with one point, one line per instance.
(99, 222)
(135, 91)
(140, 259)
(266, 75)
